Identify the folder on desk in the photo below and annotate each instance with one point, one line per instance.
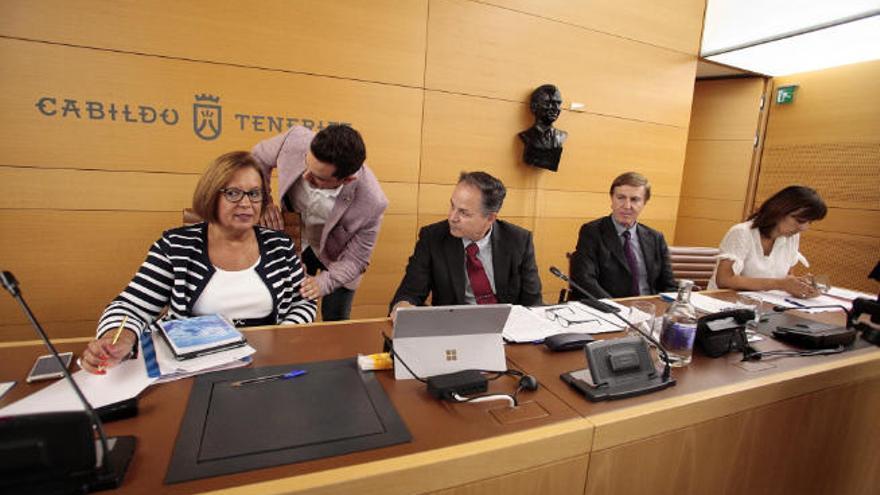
(332, 409)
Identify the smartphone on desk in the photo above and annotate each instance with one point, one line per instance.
(46, 367)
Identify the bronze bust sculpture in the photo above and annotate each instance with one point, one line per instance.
(543, 142)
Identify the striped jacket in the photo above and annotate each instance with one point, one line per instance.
(177, 269)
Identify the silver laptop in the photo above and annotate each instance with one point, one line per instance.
(435, 340)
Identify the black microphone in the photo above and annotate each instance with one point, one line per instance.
(114, 463)
(666, 368)
(592, 300)
(782, 309)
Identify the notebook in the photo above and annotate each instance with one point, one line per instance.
(200, 335)
(435, 340)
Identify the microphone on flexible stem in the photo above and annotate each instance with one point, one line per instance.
(782, 309)
(666, 368)
(113, 463)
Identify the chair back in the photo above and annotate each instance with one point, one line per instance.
(565, 293)
(693, 263)
(292, 225)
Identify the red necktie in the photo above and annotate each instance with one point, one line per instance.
(477, 275)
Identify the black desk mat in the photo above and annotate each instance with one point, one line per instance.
(333, 409)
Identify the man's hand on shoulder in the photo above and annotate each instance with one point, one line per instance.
(272, 218)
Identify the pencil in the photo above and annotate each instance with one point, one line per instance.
(119, 331)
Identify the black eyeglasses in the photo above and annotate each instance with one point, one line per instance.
(566, 317)
(234, 195)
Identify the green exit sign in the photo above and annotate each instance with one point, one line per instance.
(785, 95)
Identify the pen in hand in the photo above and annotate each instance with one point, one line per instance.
(116, 336)
(269, 378)
(119, 330)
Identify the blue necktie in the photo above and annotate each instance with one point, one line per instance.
(633, 264)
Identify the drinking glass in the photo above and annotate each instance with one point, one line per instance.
(753, 302)
(642, 314)
(822, 283)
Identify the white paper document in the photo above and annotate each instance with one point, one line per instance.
(849, 294)
(782, 298)
(5, 387)
(121, 382)
(538, 323)
(706, 304)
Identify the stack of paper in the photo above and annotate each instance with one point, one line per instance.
(165, 367)
(706, 304)
(849, 294)
(538, 323)
(121, 382)
(782, 298)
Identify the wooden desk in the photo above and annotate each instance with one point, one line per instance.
(787, 425)
(793, 425)
(456, 448)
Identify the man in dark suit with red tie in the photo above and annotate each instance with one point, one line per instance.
(616, 256)
(472, 257)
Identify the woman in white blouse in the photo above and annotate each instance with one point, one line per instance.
(759, 253)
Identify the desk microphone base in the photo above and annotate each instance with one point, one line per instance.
(111, 473)
(581, 381)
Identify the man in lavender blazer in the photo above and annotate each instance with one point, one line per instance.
(323, 177)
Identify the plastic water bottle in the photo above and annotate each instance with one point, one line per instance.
(680, 327)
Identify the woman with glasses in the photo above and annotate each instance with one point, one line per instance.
(760, 253)
(227, 265)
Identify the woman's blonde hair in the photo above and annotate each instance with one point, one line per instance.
(217, 175)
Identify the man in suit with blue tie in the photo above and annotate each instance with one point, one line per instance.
(616, 256)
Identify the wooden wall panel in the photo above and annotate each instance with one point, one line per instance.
(388, 116)
(849, 221)
(67, 189)
(505, 55)
(465, 132)
(380, 40)
(593, 205)
(717, 169)
(396, 241)
(671, 24)
(726, 109)
(841, 172)
(839, 105)
(469, 133)
(77, 172)
(601, 148)
(846, 259)
(434, 200)
(70, 264)
(782, 445)
(558, 478)
(725, 119)
(694, 231)
(829, 139)
(718, 209)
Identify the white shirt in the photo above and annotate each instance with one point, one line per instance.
(485, 256)
(236, 295)
(742, 245)
(315, 206)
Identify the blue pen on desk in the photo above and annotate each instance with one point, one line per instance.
(269, 378)
(791, 301)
